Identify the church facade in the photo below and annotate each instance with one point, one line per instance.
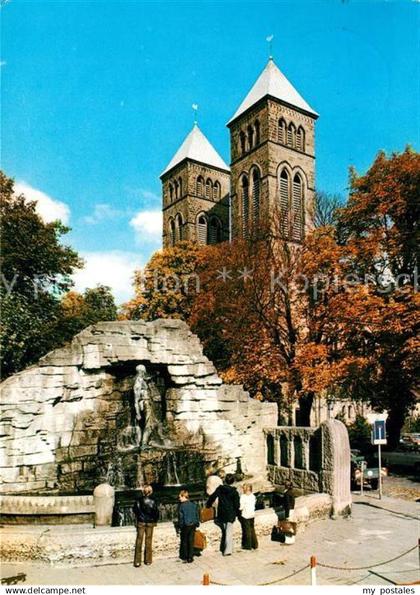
(271, 176)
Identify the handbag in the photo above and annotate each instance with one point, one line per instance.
(283, 530)
(277, 535)
(287, 527)
(206, 514)
(200, 540)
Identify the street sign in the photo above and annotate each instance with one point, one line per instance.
(379, 432)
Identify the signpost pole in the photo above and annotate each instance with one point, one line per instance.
(379, 438)
(362, 476)
(379, 470)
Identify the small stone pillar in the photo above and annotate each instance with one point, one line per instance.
(335, 466)
(104, 498)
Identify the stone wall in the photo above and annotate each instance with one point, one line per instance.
(270, 156)
(81, 546)
(314, 460)
(66, 421)
(190, 205)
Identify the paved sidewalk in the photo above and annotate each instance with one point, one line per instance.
(377, 531)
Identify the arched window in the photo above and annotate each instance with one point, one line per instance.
(172, 235)
(281, 132)
(270, 450)
(199, 186)
(257, 132)
(176, 191)
(245, 206)
(180, 187)
(297, 208)
(242, 140)
(315, 452)
(250, 137)
(216, 191)
(291, 135)
(284, 202)
(178, 227)
(202, 229)
(215, 231)
(255, 196)
(300, 139)
(284, 451)
(209, 189)
(298, 451)
(171, 192)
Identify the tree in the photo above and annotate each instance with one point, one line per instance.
(326, 208)
(363, 296)
(36, 268)
(338, 314)
(81, 310)
(360, 435)
(168, 285)
(254, 313)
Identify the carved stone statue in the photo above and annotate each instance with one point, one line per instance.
(146, 402)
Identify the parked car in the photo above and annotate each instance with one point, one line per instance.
(412, 438)
(370, 473)
(407, 455)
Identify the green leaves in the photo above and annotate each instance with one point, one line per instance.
(36, 269)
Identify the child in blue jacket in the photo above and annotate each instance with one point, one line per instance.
(188, 521)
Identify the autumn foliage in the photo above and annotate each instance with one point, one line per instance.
(337, 315)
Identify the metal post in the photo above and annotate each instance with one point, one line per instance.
(362, 469)
(313, 571)
(380, 474)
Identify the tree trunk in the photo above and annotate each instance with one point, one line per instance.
(394, 424)
(305, 408)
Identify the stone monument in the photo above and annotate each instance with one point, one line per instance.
(126, 402)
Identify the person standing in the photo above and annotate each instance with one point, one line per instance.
(247, 507)
(146, 512)
(188, 521)
(212, 483)
(289, 501)
(227, 511)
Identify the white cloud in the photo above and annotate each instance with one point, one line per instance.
(114, 268)
(47, 207)
(101, 212)
(147, 226)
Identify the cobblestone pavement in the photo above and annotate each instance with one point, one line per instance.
(377, 531)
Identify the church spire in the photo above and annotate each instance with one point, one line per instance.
(196, 147)
(273, 83)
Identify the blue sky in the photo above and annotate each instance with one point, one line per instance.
(97, 97)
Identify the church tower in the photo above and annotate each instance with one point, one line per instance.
(273, 158)
(195, 193)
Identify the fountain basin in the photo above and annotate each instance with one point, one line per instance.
(84, 546)
(47, 510)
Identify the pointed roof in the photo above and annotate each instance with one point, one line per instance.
(272, 82)
(197, 147)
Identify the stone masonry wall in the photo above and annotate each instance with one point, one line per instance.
(189, 205)
(270, 156)
(312, 459)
